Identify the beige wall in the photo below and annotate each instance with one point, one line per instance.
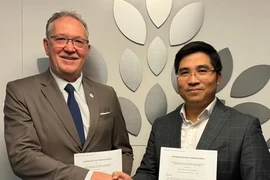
(241, 25)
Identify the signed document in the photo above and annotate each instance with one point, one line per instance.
(187, 164)
(104, 161)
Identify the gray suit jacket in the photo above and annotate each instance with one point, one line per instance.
(242, 150)
(40, 134)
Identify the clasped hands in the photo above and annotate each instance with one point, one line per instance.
(117, 175)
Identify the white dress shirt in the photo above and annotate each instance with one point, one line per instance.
(192, 132)
(81, 100)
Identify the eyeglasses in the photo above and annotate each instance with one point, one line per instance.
(62, 41)
(200, 73)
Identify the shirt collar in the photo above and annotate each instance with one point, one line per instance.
(62, 83)
(205, 114)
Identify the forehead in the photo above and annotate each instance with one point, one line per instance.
(68, 26)
(195, 60)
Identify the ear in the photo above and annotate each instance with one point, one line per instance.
(219, 77)
(46, 45)
(89, 48)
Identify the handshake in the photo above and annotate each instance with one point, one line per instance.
(120, 176)
(117, 175)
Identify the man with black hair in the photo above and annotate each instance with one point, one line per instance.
(204, 122)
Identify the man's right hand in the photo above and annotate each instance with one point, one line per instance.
(101, 176)
(120, 176)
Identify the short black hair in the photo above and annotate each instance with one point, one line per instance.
(198, 46)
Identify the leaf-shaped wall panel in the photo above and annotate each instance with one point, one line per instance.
(186, 23)
(95, 66)
(227, 64)
(254, 109)
(132, 116)
(155, 103)
(174, 80)
(131, 70)
(158, 10)
(250, 81)
(43, 64)
(157, 56)
(130, 21)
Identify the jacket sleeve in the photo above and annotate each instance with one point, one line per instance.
(120, 136)
(23, 145)
(148, 169)
(255, 156)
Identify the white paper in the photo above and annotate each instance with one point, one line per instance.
(104, 161)
(187, 164)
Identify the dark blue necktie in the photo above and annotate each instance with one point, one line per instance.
(75, 111)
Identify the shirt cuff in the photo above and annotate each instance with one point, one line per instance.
(89, 175)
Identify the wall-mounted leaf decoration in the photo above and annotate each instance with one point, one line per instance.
(186, 23)
(268, 143)
(157, 56)
(130, 21)
(158, 10)
(227, 64)
(155, 103)
(132, 116)
(254, 109)
(95, 67)
(131, 70)
(174, 80)
(43, 64)
(250, 81)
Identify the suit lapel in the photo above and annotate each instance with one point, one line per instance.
(172, 128)
(215, 123)
(91, 97)
(55, 97)
(176, 138)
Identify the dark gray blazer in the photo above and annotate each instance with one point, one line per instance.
(242, 150)
(40, 134)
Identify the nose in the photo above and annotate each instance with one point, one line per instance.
(193, 78)
(69, 47)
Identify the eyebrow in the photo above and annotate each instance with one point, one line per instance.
(75, 37)
(197, 67)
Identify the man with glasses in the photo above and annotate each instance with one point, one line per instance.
(204, 122)
(51, 116)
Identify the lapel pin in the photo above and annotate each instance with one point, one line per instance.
(91, 95)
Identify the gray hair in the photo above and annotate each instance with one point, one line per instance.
(64, 13)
